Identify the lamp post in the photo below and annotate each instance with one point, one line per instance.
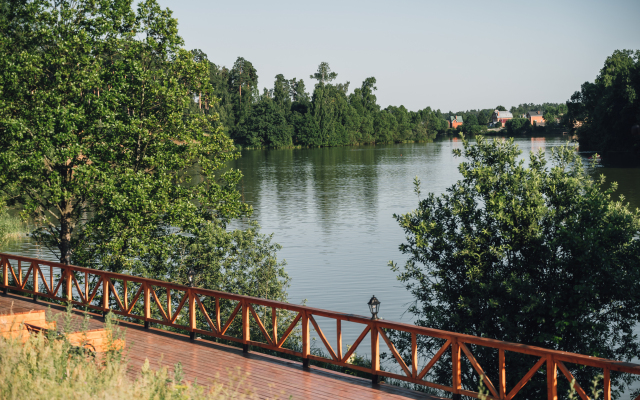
(374, 307)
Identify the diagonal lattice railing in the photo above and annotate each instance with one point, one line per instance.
(134, 297)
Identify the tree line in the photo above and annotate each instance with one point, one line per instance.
(287, 115)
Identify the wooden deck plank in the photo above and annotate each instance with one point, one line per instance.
(206, 362)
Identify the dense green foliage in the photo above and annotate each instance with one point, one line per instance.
(552, 108)
(538, 254)
(287, 115)
(98, 131)
(517, 126)
(609, 107)
(104, 135)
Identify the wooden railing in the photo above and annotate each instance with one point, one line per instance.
(106, 291)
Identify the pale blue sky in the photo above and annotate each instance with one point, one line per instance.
(451, 55)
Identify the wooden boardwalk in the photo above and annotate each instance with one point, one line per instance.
(269, 377)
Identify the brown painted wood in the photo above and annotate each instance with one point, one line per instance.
(274, 324)
(218, 323)
(456, 369)
(339, 334)
(457, 340)
(230, 320)
(435, 359)
(571, 378)
(479, 370)
(502, 375)
(184, 300)
(355, 344)
(607, 386)
(289, 330)
(116, 296)
(526, 378)
(159, 303)
(260, 324)
(395, 353)
(327, 345)
(552, 378)
(206, 316)
(414, 356)
(207, 362)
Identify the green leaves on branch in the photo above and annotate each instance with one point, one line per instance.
(98, 129)
(606, 112)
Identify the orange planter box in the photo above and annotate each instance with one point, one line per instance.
(97, 340)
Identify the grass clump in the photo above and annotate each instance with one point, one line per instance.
(11, 227)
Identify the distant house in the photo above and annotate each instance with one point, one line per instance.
(535, 116)
(501, 116)
(455, 121)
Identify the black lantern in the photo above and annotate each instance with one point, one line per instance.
(374, 307)
(191, 275)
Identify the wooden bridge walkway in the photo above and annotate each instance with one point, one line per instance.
(269, 377)
(200, 311)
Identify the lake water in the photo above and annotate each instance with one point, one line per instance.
(332, 212)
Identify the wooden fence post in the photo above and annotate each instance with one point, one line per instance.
(607, 385)
(5, 274)
(274, 324)
(69, 281)
(306, 347)
(375, 353)
(105, 294)
(414, 355)
(552, 378)
(147, 304)
(456, 369)
(36, 284)
(502, 376)
(339, 333)
(246, 335)
(192, 314)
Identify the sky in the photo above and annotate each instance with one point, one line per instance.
(449, 55)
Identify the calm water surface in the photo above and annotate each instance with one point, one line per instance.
(332, 212)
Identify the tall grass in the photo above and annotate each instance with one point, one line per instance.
(11, 227)
(47, 366)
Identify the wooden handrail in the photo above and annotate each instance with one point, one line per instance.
(16, 279)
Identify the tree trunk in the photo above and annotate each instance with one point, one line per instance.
(66, 229)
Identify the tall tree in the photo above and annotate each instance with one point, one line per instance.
(606, 110)
(282, 93)
(96, 127)
(483, 117)
(539, 255)
(324, 74)
(470, 119)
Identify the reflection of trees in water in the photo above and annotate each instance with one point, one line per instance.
(628, 180)
(345, 180)
(331, 185)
